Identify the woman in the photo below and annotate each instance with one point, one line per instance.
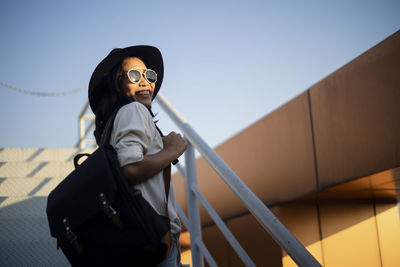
(128, 79)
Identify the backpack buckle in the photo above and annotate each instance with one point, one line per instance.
(111, 212)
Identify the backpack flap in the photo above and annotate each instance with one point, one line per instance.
(77, 198)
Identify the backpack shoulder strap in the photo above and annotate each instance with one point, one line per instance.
(106, 135)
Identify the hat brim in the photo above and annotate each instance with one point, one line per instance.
(150, 55)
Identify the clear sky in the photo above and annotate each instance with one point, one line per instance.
(227, 63)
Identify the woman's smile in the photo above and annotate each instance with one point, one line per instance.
(143, 93)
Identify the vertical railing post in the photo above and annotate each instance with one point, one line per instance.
(81, 132)
(193, 206)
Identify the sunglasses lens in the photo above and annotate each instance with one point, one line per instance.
(151, 76)
(134, 76)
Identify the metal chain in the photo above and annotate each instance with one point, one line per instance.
(41, 93)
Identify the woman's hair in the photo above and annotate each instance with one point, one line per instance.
(113, 98)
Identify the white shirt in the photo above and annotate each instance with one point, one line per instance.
(135, 135)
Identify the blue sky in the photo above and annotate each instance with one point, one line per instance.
(227, 63)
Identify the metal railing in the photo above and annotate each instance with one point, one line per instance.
(83, 130)
(260, 211)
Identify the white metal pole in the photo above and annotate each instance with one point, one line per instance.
(193, 207)
(81, 133)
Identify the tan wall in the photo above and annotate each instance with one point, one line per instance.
(351, 234)
(387, 218)
(302, 221)
(262, 249)
(337, 235)
(356, 116)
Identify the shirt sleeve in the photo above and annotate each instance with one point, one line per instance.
(133, 132)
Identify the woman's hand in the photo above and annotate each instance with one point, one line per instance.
(174, 144)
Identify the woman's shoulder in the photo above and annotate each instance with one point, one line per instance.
(133, 113)
(134, 108)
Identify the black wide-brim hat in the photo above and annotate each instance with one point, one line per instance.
(98, 85)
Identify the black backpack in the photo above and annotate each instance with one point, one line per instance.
(98, 220)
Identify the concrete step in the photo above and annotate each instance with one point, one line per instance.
(32, 253)
(25, 235)
(28, 186)
(40, 154)
(22, 207)
(21, 230)
(27, 176)
(35, 169)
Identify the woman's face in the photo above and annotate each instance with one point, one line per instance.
(141, 91)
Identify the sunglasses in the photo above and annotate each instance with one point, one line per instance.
(134, 75)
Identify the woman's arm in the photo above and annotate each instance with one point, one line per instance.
(174, 146)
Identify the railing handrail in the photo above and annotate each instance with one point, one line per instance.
(260, 211)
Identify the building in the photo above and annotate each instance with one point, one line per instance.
(328, 165)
